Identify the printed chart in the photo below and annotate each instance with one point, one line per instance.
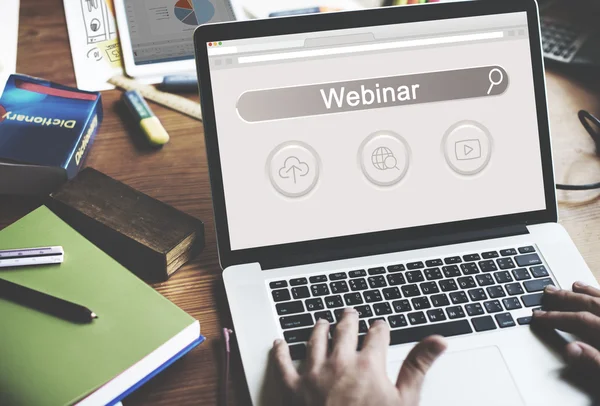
(194, 12)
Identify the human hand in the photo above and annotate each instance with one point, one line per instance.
(354, 378)
(578, 313)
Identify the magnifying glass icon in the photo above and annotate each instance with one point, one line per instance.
(498, 76)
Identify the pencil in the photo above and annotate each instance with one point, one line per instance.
(45, 303)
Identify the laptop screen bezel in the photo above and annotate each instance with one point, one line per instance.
(356, 19)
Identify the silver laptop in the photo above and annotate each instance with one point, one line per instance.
(397, 161)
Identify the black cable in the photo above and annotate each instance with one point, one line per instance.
(587, 119)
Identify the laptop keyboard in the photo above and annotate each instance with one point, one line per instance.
(462, 294)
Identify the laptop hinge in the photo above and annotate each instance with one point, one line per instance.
(396, 246)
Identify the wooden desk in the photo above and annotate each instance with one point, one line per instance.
(177, 175)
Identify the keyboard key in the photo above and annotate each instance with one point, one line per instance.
(391, 293)
(511, 303)
(338, 313)
(358, 273)
(298, 281)
(415, 265)
(466, 282)
(314, 304)
(434, 262)
(298, 351)
(396, 268)
(358, 284)
(524, 320)
(429, 287)
(440, 300)
(417, 318)
(381, 309)
(539, 271)
(526, 250)
(488, 266)
(300, 292)
(448, 285)
(477, 294)
(353, 299)
(432, 274)
(414, 276)
(490, 255)
(528, 260)
(337, 276)
(320, 289)
(505, 263)
(410, 290)
(339, 287)
(414, 334)
(364, 311)
(484, 323)
(334, 301)
(420, 303)
(278, 284)
(289, 308)
(372, 296)
(493, 306)
(514, 289)
(505, 320)
(300, 320)
(372, 321)
(474, 309)
(455, 312)
(401, 306)
(436, 315)
(485, 279)
(458, 297)
(324, 315)
(377, 271)
(396, 279)
(521, 274)
(318, 279)
(503, 277)
(376, 281)
(281, 295)
(469, 268)
(452, 260)
(451, 271)
(509, 252)
(537, 285)
(362, 327)
(471, 257)
(296, 336)
(495, 292)
(397, 321)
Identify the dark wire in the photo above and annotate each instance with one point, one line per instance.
(588, 121)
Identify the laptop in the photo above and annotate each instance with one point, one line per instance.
(398, 161)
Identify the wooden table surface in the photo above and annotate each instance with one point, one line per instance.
(178, 175)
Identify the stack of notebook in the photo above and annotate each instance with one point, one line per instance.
(45, 360)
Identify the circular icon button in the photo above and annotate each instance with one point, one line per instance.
(293, 168)
(384, 158)
(467, 146)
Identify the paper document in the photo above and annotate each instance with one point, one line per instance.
(94, 42)
(9, 35)
(262, 8)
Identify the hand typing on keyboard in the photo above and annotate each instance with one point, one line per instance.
(576, 312)
(345, 376)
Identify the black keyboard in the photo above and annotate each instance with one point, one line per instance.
(561, 40)
(460, 294)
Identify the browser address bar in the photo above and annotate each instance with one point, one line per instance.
(371, 47)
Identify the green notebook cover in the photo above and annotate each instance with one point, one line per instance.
(45, 360)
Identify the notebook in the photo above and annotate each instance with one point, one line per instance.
(49, 361)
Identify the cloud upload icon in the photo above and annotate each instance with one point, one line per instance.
(293, 168)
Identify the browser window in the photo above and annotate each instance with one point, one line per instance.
(345, 132)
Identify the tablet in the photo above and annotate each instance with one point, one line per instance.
(157, 35)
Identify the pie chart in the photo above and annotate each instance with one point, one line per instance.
(194, 12)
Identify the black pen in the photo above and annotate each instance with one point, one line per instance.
(45, 303)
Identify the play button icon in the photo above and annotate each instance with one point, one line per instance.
(467, 146)
(468, 150)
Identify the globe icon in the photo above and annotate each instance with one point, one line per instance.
(383, 159)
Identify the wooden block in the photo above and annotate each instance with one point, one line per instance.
(149, 237)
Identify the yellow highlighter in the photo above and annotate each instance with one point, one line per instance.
(148, 122)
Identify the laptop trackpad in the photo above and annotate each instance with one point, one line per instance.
(470, 378)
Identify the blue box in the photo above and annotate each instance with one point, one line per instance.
(46, 131)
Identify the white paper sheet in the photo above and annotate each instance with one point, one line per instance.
(94, 42)
(9, 35)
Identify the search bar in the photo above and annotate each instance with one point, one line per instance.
(371, 93)
(452, 39)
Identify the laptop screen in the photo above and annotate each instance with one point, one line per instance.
(354, 131)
